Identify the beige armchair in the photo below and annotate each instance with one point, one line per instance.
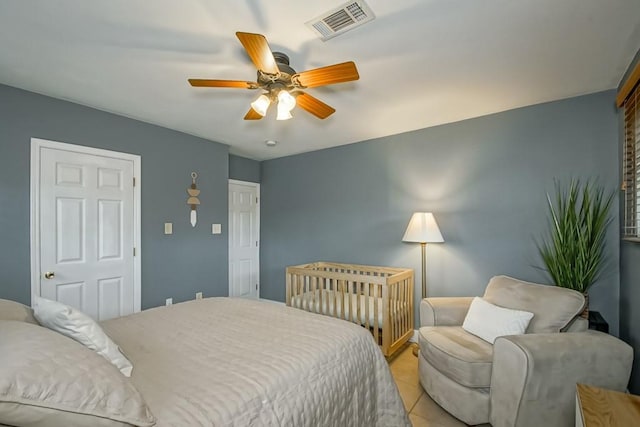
(520, 380)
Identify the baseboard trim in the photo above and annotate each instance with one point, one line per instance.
(271, 301)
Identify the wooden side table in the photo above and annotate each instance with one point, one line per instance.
(599, 407)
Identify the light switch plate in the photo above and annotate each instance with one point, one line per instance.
(216, 228)
(198, 295)
(168, 228)
(169, 301)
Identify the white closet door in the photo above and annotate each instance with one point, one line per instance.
(244, 240)
(86, 211)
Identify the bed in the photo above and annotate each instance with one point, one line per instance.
(379, 299)
(237, 362)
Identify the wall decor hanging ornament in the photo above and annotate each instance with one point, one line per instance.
(193, 200)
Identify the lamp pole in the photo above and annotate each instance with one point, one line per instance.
(424, 269)
(422, 229)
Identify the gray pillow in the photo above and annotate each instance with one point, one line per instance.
(47, 379)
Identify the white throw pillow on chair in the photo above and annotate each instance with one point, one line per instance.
(76, 325)
(489, 321)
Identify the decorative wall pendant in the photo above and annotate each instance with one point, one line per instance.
(193, 200)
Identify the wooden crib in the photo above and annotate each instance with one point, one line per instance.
(377, 298)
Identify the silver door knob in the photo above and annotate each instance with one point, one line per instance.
(49, 275)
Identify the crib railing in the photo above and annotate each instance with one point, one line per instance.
(377, 298)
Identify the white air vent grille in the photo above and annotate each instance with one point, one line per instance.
(344, 18)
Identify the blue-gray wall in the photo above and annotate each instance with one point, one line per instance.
(485, 179)
(190, 260)
(244, 169)
(630, 283)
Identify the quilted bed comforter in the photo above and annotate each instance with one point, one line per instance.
(236, 362)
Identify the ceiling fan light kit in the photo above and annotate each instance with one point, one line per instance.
(261, 104)
(283, 113)
(281, 83)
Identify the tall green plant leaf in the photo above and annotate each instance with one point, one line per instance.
(573, 248)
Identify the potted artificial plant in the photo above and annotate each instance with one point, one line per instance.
(573, 248)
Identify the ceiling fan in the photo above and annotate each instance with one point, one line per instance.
(281, 83)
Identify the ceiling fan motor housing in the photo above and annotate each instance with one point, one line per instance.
(267, 81)
(282, 61)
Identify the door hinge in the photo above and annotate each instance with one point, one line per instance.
(256, 200)
(134, 251)
(134, 181)
(256, 286)
(256, 243)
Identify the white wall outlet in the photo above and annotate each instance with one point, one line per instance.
(168, 228)
(198, 295)
(216, 228)
(169, 301)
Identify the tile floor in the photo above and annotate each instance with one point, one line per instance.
(423, 411)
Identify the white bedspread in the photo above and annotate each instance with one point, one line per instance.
(235, 362)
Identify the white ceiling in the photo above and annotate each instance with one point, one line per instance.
(422, 62)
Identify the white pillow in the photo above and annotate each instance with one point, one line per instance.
(489, 321)
(75, 324)
(48, 379)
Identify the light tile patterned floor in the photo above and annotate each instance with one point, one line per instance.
(423, 411)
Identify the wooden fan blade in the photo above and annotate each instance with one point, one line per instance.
(223, 83)
(259, 51)
(252, 115)
(338, 73)
(314, 106)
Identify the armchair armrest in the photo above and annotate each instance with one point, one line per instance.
(534, 376)
(444, 311)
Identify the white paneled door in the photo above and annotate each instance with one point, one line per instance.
(86, 210)
(244, 240)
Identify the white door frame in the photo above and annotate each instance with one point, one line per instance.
(36, 145)
(257, 187)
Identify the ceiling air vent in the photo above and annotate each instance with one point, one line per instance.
(342, 19)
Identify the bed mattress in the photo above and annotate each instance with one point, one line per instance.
(236, 362)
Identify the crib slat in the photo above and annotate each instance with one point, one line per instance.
(393, 296)
(349, 316)
(312, 291)
(321, 308)
(342, 301)
(399, 314)
(288, 291)
(393, 307)
(402, 307)
(367, 295)
(376, 326)
(359, 292)
(386, 338)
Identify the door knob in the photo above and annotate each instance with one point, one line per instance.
(49, 275)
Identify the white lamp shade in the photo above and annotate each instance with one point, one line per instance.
(423, 228)
(286, 100)
(261, 104)
(283, 112)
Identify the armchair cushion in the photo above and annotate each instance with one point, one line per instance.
(461, 356)
(553, 307)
